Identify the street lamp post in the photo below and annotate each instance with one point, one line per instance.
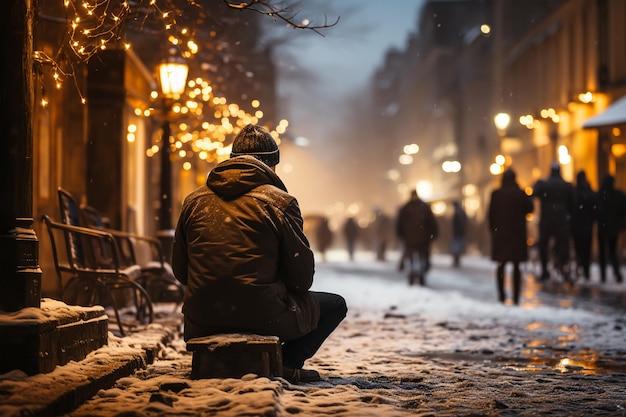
(172, 77)
(165, 185)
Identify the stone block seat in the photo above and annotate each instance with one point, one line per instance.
(233, 355)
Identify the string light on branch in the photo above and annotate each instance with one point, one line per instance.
(206, 124)
(96, 25)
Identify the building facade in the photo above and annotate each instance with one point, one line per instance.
(547, 65)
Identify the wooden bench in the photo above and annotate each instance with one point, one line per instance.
(234, 355)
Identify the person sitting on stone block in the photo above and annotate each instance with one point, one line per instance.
(240, 249)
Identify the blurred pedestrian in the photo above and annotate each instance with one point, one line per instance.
(611, 213)
(383, 230)
(351, 233)
(459, 233)
(324, 236)
(557, 204)
(240, 250)
(416, 228)
(583, 217)
(507, 212)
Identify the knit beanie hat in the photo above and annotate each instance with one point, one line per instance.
(256, 141)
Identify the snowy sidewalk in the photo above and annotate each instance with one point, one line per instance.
(406, 351)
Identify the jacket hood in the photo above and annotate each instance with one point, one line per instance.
(238, 175)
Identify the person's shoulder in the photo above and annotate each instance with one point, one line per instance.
(272, 195)
(197, 194)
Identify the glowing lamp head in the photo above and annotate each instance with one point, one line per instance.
(172, 76)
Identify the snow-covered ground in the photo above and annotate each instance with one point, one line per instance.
(404, 351)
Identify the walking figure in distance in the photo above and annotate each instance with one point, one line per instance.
(324, 236)
(583, 217)
(416, 228)
(611, 213)
(383, 233)
(351, 233)
(557, 204)
(459, 233)
(507, 212)
(240, 250)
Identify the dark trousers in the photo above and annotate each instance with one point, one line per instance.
(582, 247)
(333, 310)
(517, 281)
(416, 257)
(560, 247)
(607, 247)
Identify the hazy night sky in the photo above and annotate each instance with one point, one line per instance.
(320, 75)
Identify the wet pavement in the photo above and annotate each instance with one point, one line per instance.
(475, 278)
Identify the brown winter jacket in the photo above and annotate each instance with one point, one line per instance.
(240, 250)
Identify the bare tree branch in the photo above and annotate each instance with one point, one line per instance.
(286, 13)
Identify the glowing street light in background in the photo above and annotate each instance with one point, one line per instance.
(502, 120)
(411, 149)
(424, 189)
(451, 166)
(564, 156)
(497, 167)
(301, 141)
(405, 159)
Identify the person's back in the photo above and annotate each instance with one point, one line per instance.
(506, 216)
(324, 236)
(240, 250)
(556, 198)
(416, 224)
(584, 215)
(459, 221)
(416, 227)
(586, 204)
(611, 206)
(383, 233)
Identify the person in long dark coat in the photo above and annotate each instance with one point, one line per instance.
(417, 228)
(508, 208)
(557, 204)
(611, 213)
(583, 217)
